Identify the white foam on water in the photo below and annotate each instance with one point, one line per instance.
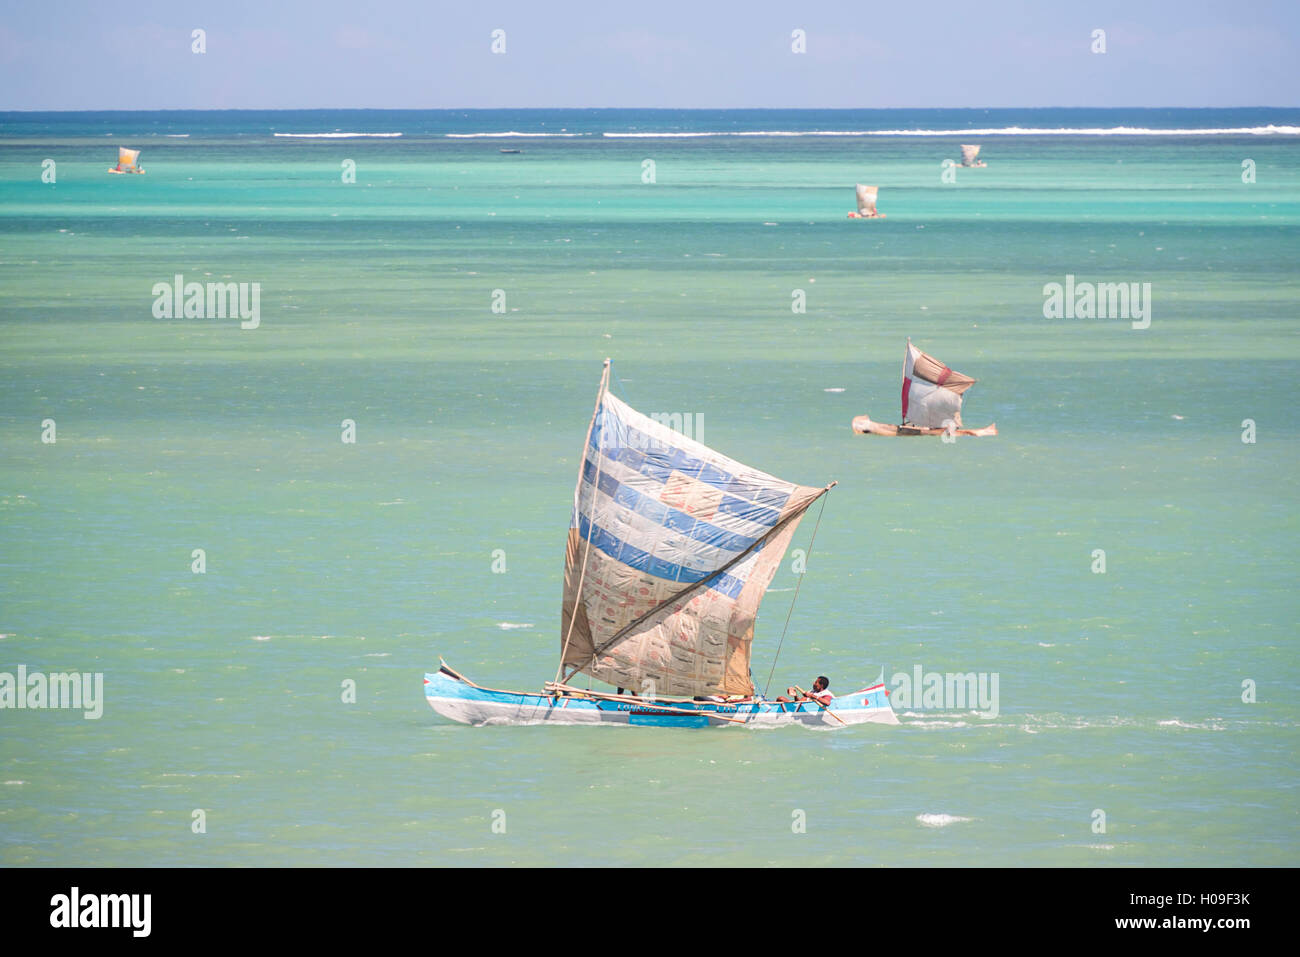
(927, 719)
(1269, 130)
(940, 820)
(1211, 725)
(332, 136)
(510, 625)
(475, 136)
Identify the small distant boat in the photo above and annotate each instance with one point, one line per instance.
(669, 551)
(867, 203)
(970, 156)
(510, 151)
(127, 161)
(932, 397)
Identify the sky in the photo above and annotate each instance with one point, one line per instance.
(420, 54)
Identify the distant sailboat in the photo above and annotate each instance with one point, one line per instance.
(669, 551)
(867, 204)
(932, 397)
(970, 156)
(126, 161)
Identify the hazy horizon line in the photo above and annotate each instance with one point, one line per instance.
(680, 109)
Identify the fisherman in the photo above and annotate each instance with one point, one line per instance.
(820, 692)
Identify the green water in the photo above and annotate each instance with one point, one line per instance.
(330, 562)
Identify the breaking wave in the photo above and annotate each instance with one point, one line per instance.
(1269, 130)
(332, 136)
(473, 136)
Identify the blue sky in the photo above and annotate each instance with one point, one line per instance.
(290, 54)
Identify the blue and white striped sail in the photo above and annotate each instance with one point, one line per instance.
(670, 550)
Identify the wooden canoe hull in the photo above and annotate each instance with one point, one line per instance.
(864, 425)
(455, 697)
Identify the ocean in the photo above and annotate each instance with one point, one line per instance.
(1121, 556)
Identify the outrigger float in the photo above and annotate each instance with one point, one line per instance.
(670, 549)
(932, 396)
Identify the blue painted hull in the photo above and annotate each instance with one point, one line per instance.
(455, 698)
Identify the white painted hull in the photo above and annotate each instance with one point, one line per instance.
(459, 700)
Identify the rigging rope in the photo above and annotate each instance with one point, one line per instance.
(768, 686)
(627, 397)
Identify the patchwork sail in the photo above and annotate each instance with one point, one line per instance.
(931, 399)
(127, 161)
(931, 391)
(670, 550)
(867, 200)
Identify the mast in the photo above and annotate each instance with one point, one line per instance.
(577, 491)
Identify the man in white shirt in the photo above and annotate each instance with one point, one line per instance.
(820, 692)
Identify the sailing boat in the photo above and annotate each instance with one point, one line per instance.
(126, 161)
(932, 395)
(970, 156)
(670, 549)
(867, 203)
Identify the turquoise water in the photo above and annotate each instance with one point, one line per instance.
(329, 562)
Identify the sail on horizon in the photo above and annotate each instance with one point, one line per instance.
(867, 200)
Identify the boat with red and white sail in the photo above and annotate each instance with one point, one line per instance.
(932, 399)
